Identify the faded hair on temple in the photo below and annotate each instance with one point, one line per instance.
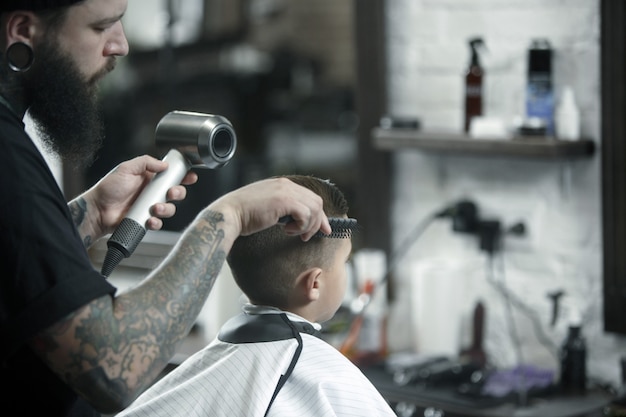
(265, 264)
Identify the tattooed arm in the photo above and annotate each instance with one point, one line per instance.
(112, 349)
(100, 209)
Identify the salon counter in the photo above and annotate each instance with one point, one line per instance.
(445, 401)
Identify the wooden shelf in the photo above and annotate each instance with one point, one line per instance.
(441, 142)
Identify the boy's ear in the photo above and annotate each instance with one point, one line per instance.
(308, 284)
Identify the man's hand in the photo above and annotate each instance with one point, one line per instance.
(107, 202)
(261, 204)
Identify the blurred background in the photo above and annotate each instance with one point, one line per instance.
(282, 72)
(310, 85)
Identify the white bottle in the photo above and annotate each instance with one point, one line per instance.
(567, 118)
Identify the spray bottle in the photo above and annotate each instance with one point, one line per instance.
(474, 84)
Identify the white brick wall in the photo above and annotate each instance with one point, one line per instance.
(559, 202)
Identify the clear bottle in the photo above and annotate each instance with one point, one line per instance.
(366, 341)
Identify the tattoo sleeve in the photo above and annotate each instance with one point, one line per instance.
(78, 210)
(112, 349)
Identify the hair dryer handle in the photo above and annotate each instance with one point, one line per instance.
(156, 191)
(132, 229)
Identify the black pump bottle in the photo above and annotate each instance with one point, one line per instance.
(573, 357)
(473, 84)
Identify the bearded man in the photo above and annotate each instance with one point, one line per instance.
(71, 345)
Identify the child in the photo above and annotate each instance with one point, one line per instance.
(269, 360)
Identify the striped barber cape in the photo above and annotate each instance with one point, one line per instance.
(256, 366)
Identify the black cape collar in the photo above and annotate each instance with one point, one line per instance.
(254, 328)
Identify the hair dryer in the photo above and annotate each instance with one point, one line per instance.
(196, 140)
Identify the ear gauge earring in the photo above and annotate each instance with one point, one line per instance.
(20, 57)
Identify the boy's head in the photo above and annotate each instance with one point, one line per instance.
(307, 278)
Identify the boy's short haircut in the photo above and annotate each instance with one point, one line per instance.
(265, 264)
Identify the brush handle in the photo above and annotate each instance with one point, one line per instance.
(286, 219)
(340, 227)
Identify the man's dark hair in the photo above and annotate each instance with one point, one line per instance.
(265, 264)
(52, 12)
(35, 5)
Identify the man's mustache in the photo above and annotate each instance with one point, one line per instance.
(108, 67)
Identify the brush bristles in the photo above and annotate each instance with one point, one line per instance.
(341, 228)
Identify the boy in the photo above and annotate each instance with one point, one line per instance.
(269, 360)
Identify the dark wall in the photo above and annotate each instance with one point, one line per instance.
(613, 70)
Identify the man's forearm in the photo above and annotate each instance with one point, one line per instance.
(119, 346)
(167, 303)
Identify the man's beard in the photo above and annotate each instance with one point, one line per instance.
(64, 107)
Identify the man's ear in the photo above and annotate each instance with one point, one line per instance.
(21, 27)
(308, 284)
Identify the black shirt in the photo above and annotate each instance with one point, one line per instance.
(46, 274)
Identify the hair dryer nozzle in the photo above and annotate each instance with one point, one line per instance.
(206, 140)
(122, 244)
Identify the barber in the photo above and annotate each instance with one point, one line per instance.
(71, 345)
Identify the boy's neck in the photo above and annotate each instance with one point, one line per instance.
(264, 309)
